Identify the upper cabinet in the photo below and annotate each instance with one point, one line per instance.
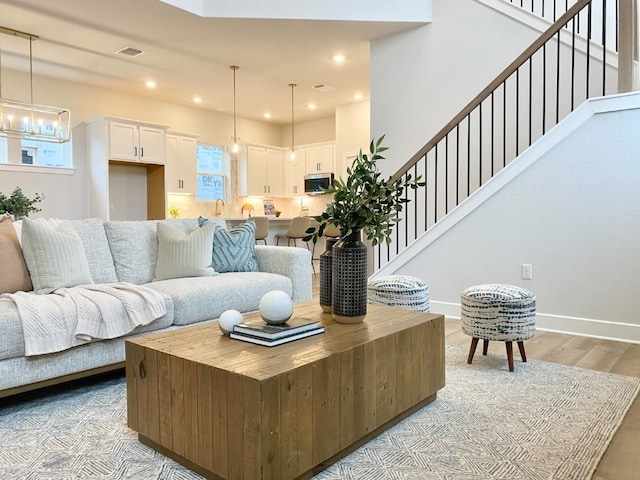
(320, 158)
(136, 141)
(180, 163)
(294, 174)
(126, 169)
(261, 172)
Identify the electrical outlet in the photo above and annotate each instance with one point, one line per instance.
(527, 271)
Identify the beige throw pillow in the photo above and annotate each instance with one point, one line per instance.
(184, 255)
(14, 276)
(54, 255)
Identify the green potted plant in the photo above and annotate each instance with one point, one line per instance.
(18, 204)
(365, 203)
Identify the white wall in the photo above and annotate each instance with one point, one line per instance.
(573, 215)
(421, 78)
(352, 132)
(66, 195)
(316, 131)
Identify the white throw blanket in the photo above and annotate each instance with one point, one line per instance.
(74, 316)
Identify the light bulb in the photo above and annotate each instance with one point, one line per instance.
(292, 156)
(235, 147)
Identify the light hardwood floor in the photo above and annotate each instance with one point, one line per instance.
(621, 461)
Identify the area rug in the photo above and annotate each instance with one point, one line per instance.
(544, 421)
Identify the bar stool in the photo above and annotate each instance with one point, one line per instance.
(297, 231)
(262, 228)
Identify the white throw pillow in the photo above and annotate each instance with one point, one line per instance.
(184, 255)
(54, 255)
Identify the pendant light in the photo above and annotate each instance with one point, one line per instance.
(234, 144)
(293, 158)
(26, 120)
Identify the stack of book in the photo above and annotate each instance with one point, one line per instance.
(262, 333)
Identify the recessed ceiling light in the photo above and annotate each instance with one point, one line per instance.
(197, 99)
(358, 96)
(150, 83)
(267, 115)
(339, 58)
(311, 106)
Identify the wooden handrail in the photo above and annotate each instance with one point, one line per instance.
(499, 80)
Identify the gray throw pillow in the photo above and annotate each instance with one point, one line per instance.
(54, 255)
(234, 250)
(184, 254)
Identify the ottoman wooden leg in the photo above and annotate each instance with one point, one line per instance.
(485, 347)
(509, 346)
(472, 350)
(522, 354)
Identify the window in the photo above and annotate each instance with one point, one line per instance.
(212, 172)
(45, 154)
(14, 151)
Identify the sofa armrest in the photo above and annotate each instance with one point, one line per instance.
(292, 262)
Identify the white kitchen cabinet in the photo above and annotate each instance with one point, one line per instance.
(294, 174)
(261, 172)
(136, 142)
(275, 172)
(125, 162)
(180, 163)
(319, 158)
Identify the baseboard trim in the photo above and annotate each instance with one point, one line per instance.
(583, 327)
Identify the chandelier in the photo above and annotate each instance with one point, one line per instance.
(26, 120)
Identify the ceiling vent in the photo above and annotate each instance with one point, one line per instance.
(130, 52)
(323, 88)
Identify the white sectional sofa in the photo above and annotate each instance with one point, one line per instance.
(127, 251)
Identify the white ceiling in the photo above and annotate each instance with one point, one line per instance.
(189, 56)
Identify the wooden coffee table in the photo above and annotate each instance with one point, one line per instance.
(228, 409)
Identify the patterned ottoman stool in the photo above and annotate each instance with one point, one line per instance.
(498, 312)
(401, 291)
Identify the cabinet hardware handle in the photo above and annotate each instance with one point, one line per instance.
(142, 151)
(135, 151)
(142, 370)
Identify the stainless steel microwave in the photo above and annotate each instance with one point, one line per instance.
(315, 183)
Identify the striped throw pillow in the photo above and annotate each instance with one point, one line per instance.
(183, 254)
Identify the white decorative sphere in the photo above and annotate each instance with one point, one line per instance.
(229, 319)
(276, 307)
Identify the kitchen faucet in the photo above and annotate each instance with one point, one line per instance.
(219, 207)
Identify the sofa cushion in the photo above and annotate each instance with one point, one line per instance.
(234, 250)
(197, 299)
(183, 254)
(96, 247)
(15, 275)
(54, 255)
(134, 246)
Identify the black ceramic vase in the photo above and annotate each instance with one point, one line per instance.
(326, 277)
(349, 279)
